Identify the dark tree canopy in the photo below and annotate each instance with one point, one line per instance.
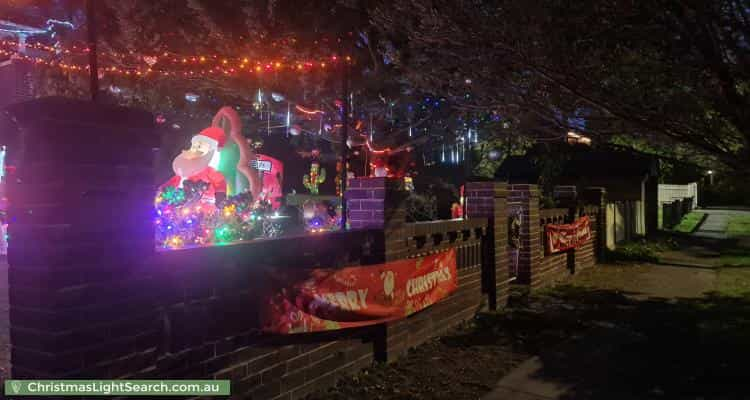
(673, 73)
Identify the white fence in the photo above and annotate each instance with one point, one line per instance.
(670, 193)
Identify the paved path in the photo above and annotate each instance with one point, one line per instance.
(532, 379)
(715, 225)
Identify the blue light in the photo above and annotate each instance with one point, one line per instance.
(192, 97)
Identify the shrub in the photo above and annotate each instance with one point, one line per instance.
(641, 250)
(420, 208)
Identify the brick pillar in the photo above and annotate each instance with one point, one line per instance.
(378, 203)
(598, 196)
(15, 82)
(489, 200)
(82, 302)
(530, 253)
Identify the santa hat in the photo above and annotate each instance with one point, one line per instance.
(212, 135)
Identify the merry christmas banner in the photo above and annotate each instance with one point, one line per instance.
(567, 236)
(328, 299)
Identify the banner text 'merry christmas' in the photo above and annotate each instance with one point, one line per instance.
(427, 282)
(347, 300)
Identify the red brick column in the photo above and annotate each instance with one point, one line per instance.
(489, 200)
(378, 203)
(531, 252)
(82, 300)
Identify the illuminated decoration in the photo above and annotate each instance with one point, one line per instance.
(236, 156)
(22, 30)
(308, 111)
(289, 118)
(316, 176)
(494, 155)
(199, 163)
(217, 158)
(160, 119)
(150, 60)
(184, 220)
(192, 97)
(409, 183)
(457, 211)
(167, 64)
(2, 162)
(321, 216)
(271, 172)
(575, 138)
(277, 97)
(295, 130)
(380, 171)
(337, 180)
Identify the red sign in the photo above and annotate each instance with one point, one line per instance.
(272, 177)
(327, 299)
(568, 236)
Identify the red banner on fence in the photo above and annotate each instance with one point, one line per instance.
(327, 299)
(568, 236)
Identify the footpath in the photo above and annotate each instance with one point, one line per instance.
(671, 302)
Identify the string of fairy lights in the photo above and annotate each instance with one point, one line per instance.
(167, 63)
(172, 64)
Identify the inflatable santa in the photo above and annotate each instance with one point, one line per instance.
(201, 162)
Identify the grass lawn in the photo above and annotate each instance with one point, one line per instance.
(733, 281)
(739, 226)
(690, 222)
(738, 257)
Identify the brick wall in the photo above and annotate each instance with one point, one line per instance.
(586, 256)
(80, 225)
(553, 267)
(538, 269)
(90, 298)
(556, 267)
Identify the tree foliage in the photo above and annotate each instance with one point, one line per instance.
(664, 70)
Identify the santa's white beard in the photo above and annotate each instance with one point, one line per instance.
(185, 167)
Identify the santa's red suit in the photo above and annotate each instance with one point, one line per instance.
(214, 178)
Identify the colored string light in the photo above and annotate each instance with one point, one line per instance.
(193, 66)
(308, 111)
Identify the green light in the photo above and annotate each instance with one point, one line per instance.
(223, 234)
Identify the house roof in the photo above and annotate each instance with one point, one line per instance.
(610, 163)
(580, 161)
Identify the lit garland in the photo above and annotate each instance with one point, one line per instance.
(184, 218)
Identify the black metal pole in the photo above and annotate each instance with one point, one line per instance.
(344, 138)
(93, 67)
